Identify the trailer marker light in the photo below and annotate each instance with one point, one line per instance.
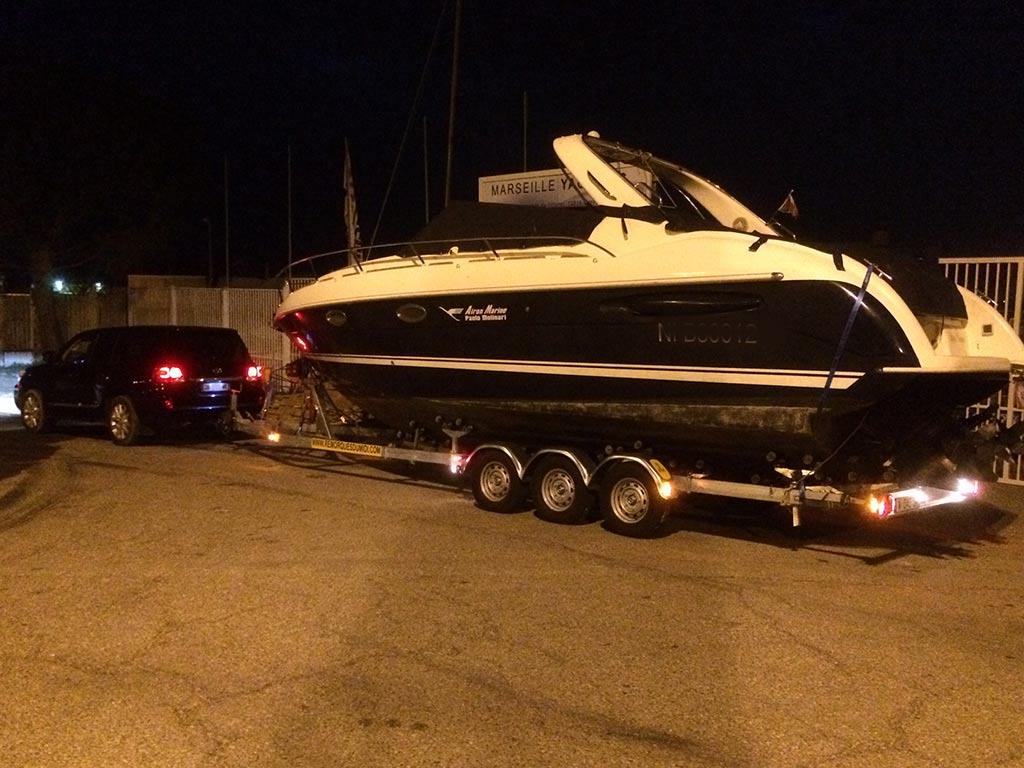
(880, 505)
(665, 489)
(274, 437)
(455, 463)
(967, 487)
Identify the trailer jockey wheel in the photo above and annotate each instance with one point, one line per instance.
(496, 483)
(630, 501)
(559, 491)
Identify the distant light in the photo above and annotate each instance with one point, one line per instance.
(274, 437)
(98, 286)
(58, 285)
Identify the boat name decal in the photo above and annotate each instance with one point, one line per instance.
(707, 333)
(473, 314)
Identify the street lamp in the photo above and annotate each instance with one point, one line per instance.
(209, 252)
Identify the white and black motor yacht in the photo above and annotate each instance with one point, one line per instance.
(662, 314)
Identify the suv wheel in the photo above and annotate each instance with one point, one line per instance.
(122, 421)
(33, 411)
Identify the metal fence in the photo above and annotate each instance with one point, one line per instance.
(16, 333)
(19, 327)
(249, 310)
(1001, 281)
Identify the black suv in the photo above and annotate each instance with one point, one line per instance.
(142, 378)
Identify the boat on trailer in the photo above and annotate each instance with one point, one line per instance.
(663, 316)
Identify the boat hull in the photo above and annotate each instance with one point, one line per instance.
(744, 372)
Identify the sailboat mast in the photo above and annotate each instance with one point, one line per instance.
(451, 104)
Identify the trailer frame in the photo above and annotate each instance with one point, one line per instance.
(645, 475)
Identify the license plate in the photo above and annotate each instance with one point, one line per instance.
(215, 386)
(903, 504)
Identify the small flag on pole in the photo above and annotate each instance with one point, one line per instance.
(788, 206)
(351, 215)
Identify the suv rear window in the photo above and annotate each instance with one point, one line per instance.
(221, 347)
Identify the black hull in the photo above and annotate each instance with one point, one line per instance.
(735, 429)
(736, 372)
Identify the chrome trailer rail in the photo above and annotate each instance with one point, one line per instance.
(880, 501)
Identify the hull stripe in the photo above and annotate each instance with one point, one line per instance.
(748, 376)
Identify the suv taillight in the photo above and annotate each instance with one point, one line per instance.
(254, 373)
(167, 374)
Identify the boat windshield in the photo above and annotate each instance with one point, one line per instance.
(675, 190)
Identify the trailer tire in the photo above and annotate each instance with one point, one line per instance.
(631, 503)
(496, 484)
(559, 492)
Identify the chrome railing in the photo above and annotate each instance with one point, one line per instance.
(419, 249)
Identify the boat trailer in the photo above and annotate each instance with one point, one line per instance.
(633, 491)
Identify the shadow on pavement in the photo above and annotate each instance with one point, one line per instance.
(20, 451)
(405, 473)
(953, 531)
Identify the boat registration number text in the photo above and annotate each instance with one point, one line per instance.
(707, 333)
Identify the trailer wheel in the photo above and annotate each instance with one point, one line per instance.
(496, 483)
(630, 502)
(559, 491)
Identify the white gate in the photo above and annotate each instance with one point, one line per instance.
(1001, 281)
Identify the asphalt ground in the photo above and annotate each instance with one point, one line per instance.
(210, 604)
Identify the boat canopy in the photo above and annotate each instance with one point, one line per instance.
(507, 226)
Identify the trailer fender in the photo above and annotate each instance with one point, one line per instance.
(517, 456)
(580, 461)
(656, 469)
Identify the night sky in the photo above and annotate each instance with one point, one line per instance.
(906, 119)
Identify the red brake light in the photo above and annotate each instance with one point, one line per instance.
(168, 373)
(254, 373)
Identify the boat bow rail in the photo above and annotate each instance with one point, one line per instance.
(496, 248)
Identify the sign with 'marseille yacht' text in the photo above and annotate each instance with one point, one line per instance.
(549, 188)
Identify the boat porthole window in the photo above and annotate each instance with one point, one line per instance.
(411, 313)
(337, 317)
